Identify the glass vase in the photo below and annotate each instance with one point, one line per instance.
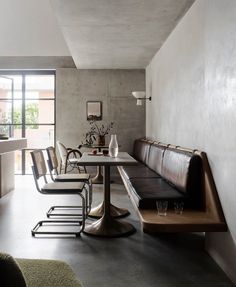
(113, 146)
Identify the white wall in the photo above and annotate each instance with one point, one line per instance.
(192, 81)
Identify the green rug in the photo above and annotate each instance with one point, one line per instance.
(47, 273)
(35, 273)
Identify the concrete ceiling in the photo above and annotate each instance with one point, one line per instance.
(117, 34)
(29, 28)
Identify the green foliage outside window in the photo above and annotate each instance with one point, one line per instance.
(31, 116)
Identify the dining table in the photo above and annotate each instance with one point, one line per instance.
(98, 178)
(108, 225)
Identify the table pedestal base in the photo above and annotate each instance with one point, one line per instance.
(115, 211)
(108, 226)
(98, 179)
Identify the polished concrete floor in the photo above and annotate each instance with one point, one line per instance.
(140, 260)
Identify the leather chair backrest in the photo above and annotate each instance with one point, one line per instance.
(141, 150)
(183, 170)
(155, 157)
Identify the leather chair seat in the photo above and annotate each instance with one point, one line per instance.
(146, 191)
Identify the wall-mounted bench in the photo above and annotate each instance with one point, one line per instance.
(173, 173)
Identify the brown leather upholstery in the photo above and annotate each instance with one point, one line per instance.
(164, 172)
(141, 150)
(186, 176)
(155, 157)
(183, 170)
(179, 168)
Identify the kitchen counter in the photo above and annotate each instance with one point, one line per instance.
(7, 160)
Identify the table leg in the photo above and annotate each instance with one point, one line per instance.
(98, 179)
(108, 226)
(98, 211)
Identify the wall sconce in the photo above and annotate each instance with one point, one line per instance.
(140, 96)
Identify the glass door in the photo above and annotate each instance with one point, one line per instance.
(27, 109)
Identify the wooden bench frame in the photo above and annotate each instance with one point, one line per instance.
(211, 219)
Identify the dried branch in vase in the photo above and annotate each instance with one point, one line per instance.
(97, 130)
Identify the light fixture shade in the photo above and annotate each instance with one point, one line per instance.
(139, 94)
(139, 102)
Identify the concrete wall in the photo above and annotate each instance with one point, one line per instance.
(112, 87)
(193, 88)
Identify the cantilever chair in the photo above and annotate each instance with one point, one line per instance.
(56, 188)
(68, 177)
(69, 159)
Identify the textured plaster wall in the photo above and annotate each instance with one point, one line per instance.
(112, 87)
(192, 81)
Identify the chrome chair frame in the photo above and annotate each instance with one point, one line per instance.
(56, 177)
(54, 188)
(69, 159)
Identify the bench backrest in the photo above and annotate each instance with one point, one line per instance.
(155, 157)
(141, 150)
(181, 169)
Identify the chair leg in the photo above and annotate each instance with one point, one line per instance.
(78, 223)
(53, 210)
(60, 211)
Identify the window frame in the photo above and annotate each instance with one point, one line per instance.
(24, 74)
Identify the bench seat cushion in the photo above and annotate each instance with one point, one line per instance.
(146, 191)
(139, 170)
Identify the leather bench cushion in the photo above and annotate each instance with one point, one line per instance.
(139, 170)
(181, 169)
(155, 157)
(146, 191)
(141, 150)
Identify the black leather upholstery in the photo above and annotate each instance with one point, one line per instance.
(146, 191)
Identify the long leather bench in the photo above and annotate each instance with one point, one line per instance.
(172, 173)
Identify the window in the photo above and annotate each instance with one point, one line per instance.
(27, 109)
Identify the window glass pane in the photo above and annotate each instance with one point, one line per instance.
(5, 111)
(40, 136)
(18, 162)
(28, 162)
(17, 131)
(5, 88)
(5, 129)
(17, 112)
(17, 86)
(39, 86)
(39, 111)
